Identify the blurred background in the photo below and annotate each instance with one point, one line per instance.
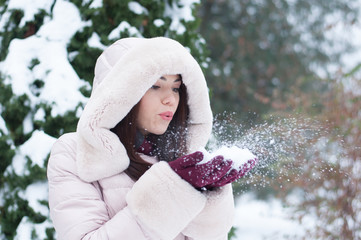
(284, 79)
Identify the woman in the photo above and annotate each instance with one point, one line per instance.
(132, 170)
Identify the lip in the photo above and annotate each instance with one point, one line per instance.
(168, 115)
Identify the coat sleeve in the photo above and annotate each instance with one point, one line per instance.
(160, 204)
(164, 202)
(216, 219)
(77, 209)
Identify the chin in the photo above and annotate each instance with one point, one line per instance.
(159, 132)
(160, 129)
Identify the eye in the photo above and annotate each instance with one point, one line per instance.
(155, 87)
(176, 90)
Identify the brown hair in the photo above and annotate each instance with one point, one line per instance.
(168, 146)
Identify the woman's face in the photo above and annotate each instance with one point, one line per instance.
(158, 105)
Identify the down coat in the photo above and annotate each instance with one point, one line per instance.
(90, 196)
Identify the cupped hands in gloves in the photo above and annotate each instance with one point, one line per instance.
(235, 173)
(243, 160)
(201, 175)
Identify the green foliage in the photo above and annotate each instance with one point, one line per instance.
(5, 91)
(15, 207)
(13, 210)
(50, 232)
(12, 30)
(14, 113)
(232, 233)
(106, 19)
(356, 69)
(56, 126)
(11, 213)
(5, 141)
(5, 157)
(259, 49)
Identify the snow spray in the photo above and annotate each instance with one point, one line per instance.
(273, 143)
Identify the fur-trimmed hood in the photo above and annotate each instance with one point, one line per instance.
(123, 73)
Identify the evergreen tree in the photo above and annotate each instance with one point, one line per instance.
(48, 51)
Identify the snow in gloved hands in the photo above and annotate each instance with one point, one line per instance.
(238, 156)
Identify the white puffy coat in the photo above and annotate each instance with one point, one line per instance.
(90, 196)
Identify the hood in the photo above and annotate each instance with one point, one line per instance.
(123, 73)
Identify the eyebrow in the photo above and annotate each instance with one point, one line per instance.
(164, 79)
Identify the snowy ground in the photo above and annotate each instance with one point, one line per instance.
(260, 220)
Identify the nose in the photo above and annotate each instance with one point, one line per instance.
(169, 99)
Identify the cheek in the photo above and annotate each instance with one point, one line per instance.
(145, 114)
(141, 114)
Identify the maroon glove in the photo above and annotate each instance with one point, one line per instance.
(200, 175)
(230, 177)
(235, 174)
